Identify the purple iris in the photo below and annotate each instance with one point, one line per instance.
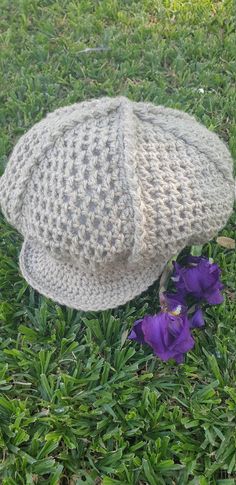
(168, 332)
(168, 335)
(201, 278)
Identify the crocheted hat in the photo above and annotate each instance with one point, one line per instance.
(106, 191)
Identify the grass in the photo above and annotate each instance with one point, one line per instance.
(79, 403)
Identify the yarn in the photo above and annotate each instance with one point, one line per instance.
(106, 191)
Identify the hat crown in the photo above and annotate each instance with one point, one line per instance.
(110, 180)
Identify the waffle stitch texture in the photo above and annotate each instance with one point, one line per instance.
(105, 191)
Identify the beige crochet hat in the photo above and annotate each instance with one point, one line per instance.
(106, 191)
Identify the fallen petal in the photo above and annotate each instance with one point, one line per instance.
(226, 242)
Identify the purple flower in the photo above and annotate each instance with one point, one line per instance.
(168, 335)
(201, 278)
(168, 332)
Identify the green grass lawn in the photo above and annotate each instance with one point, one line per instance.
(79, 403)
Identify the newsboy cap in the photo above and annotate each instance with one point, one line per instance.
(106, 191)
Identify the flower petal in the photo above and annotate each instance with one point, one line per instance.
(155, 331)
(197, 319)
(193, 281)
(214, 298)
(168, 335)
(175, 302)
(201, 278)
(137, 332)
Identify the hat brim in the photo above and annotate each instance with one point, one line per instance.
(79, 289)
